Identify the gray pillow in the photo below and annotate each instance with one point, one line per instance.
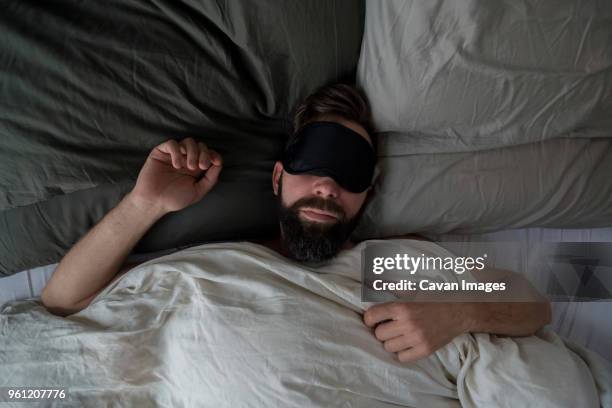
(562, 183)
(450, 76)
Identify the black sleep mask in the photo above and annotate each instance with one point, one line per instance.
(330, 149)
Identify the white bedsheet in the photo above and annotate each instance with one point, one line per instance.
(236, 324)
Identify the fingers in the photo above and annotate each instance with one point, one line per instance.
(398, 343)
(386, 331)
(409, 347)
(199, 156)
(204, 161)
(405, 330)
(192, 151)
(211, 176)
(208, 157)
(216, 158)
(380, 313)
(413, 353)
(191, 155)
(171, 147)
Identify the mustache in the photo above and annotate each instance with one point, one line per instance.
(320, 204)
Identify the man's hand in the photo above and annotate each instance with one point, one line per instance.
(416, 330)
(176, 175)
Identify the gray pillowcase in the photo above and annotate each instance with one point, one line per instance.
(562, 183)
(450, 76)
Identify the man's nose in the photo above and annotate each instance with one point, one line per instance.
(326, 187)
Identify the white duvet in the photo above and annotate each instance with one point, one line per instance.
(236, 324)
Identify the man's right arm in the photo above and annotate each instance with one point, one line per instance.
(93, 262)
(173, 177)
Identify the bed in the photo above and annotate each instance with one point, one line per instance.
(493, 123)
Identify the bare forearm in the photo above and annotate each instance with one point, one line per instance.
(522, 314)
(93, 262)
(508, 318)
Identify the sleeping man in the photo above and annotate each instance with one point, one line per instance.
(321, 184)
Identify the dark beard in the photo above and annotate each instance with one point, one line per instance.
(311, 241)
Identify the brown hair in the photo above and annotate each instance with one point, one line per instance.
(343, 100)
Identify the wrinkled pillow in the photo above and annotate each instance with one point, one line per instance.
(451, 76)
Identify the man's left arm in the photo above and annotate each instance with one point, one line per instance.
(415, 330)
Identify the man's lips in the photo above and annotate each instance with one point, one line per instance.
(314, 214)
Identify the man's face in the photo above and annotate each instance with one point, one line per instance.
(316, 214)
